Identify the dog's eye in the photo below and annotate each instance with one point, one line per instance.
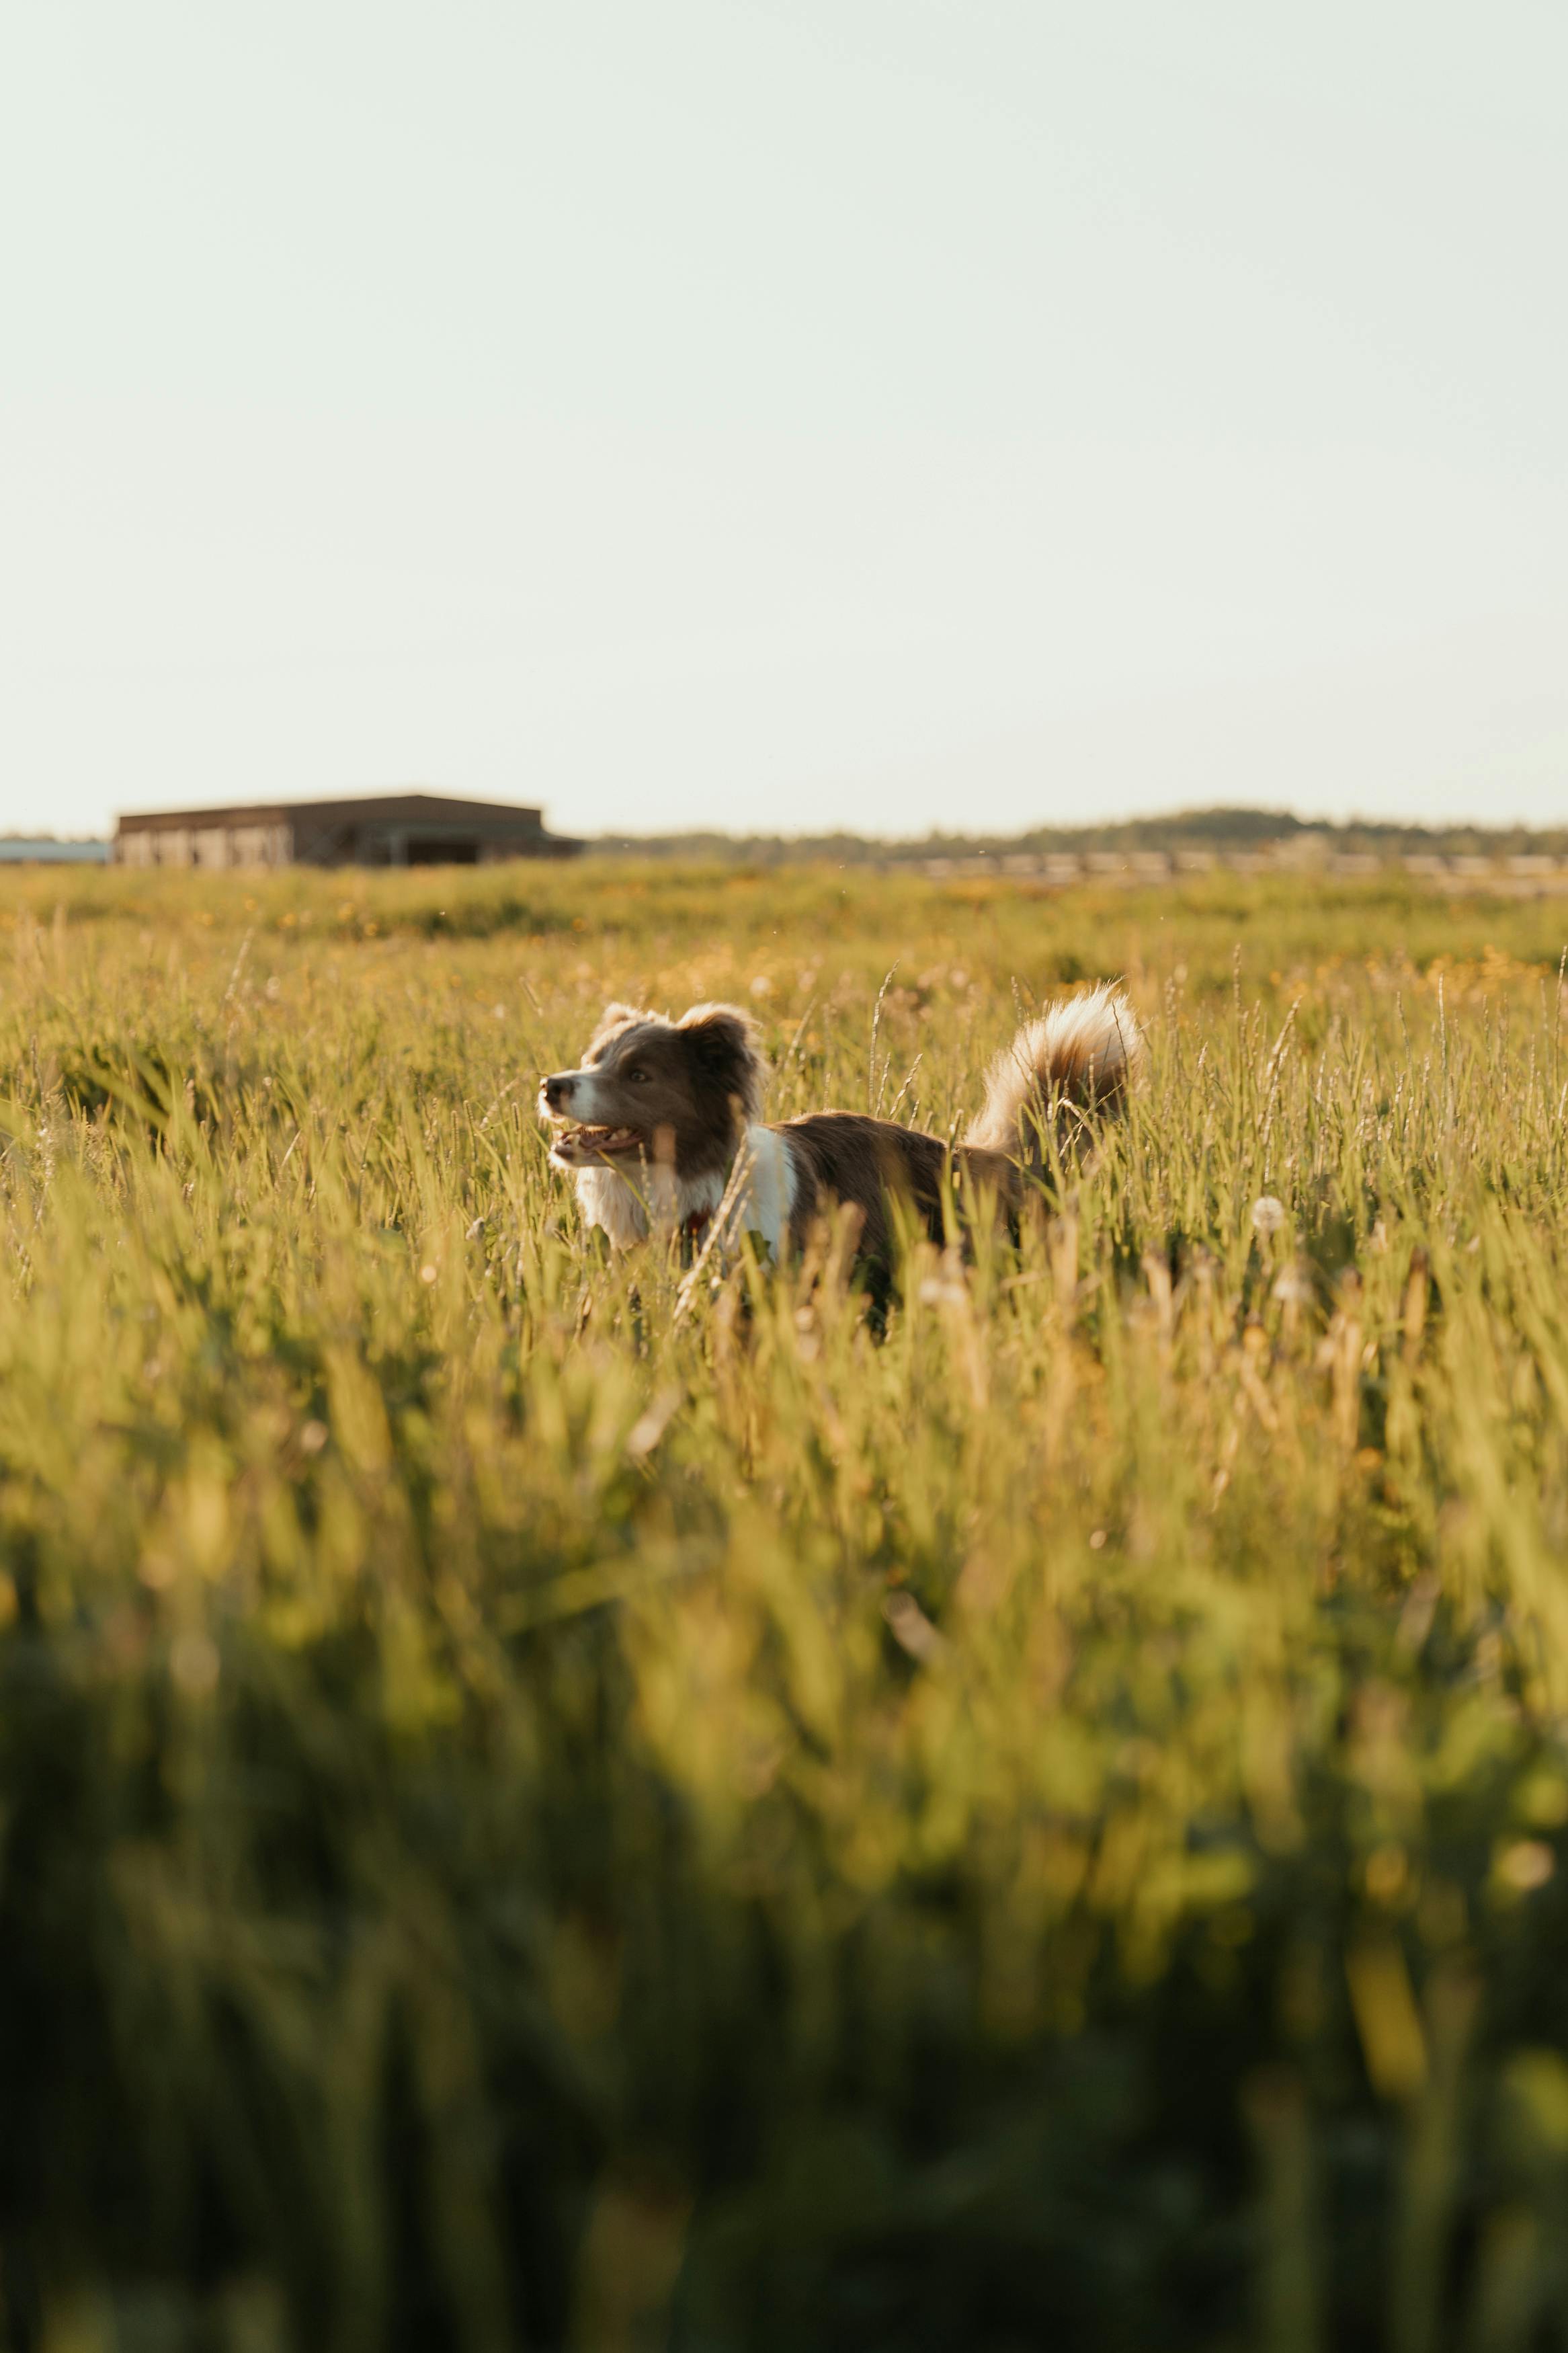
(636, 1078)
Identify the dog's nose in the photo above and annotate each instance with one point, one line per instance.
(556, 1091)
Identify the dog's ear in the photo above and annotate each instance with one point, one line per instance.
(613, 1017)
(725, 1042)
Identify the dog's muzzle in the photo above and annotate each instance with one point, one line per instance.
(555, 1093)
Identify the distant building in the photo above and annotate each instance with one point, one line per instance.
(379, 829)
(21, 850)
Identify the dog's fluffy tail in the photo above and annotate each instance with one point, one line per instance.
(1060, 1076)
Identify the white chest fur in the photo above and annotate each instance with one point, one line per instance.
(764, 1186)
(756, 1199)
(627, 1206)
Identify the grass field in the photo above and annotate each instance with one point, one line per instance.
(542, 1810)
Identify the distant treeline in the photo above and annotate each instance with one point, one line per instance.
(1216, 830)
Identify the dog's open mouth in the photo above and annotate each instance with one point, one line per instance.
(580, 1145)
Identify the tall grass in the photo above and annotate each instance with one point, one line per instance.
(545, 1807)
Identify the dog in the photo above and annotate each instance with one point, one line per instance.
(661, 1130)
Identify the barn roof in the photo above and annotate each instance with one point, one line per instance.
(434, 808)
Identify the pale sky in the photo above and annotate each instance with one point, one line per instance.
(777, 413)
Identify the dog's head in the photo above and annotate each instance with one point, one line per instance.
(669, 1093)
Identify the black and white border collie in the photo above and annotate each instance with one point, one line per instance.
(661, 1129)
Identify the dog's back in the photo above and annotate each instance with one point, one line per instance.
(844, 1158)
(1045, 1097)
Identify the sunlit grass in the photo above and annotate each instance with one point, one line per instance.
(547, 1808)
